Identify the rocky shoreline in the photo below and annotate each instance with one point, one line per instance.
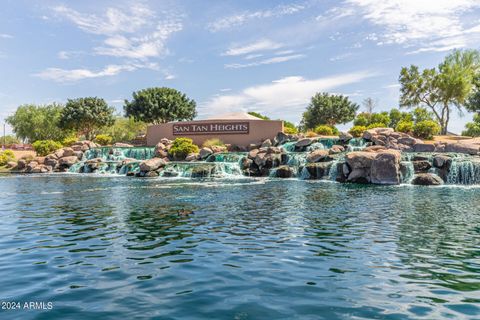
(384, 157)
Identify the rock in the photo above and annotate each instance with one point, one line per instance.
(151, 164)
(67, 152)
(260, 158)
(21, 164)
(51, 162)
(303, 143)
(267, 143)
(284, 172)
(245, 163)
(218, 149)
(317, 156)
(166, 142)
(68, 161)
(335, 149)
(360, 159)
(253, 153)
(420, 158)
(342, 172)
(78, 154)
(471, 149)
(253, 146)
(369, 134)
(386, 168)
(439, 147)
(11, 164)
(40, 160)
(427, 179)
(267, 159)
(122, 145)
(317, 170)
(374, 148)
(281, 138)
(151, 174)
(424, 147)
(421, 166)
(202, 171)
(345, 136)
(442, 161)
(409, 141)
(59, 153)
(205, 152)
(191, 157)
(31, 165)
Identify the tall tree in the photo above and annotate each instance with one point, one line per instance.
(441, 89)
(87, 116)
(328, 109)
(369, 104)
(37, 122)
(160, 105)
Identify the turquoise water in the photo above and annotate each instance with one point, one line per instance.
(115, 247)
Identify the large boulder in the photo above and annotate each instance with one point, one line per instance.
(21, 164)
(205, 152)
(317, 170)
(284, 172)
(280, 139)
(203, 171)
(68, 161)
(266, 144)
(424, 147)
(304, 142)
(151, 164)
(335, 149)
(317, 156)
(421, 166)
(68, 152)
(386, 168)
(11, 164)
(472, 149)
(345, 136)
(253, 153)
(52, 162)
(122, 145)
(191, 157)
(442, 161)
(427, 179)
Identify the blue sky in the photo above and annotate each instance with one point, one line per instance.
(264, 56)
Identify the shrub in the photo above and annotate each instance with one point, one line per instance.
(426, 129)
(377, 125)
(289, 130)
(103, 139)
(404, 126)
(45, 147)
(69, 141)
(363, 119)
(357, 131)
(6, 156)
(381, 117)
(181, 148)
(213, 142)
(472, 129)
(310, 134)
(324, 130)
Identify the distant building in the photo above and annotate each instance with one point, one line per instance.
(239, 128)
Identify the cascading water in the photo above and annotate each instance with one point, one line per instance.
(202, 170)
(464, 171)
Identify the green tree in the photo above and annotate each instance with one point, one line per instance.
(86, 116)
(160, 105)
(328, 109)
(258, 115)
(472, 129)
(396, 116)
(125, 129)
(441, 89)
(37, 122)
(9, 139)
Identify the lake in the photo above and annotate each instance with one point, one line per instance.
(106, 247)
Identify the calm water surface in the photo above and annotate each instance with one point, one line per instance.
(112, 248)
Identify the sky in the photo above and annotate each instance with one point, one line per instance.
(229, 56)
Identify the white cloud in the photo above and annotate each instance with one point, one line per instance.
(430, 25)
(289, 94)
(5, 36)
(342, 56)
(134, 33)
(266, 61)
(244, 17)
(260, 45)
(71, 75)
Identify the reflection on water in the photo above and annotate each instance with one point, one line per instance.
(253, 249)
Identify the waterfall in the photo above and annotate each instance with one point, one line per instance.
(464, 171)
(289, 146)
(356, 144)
(202, 170)
(409, 173)
(226, 157)
(333, 170)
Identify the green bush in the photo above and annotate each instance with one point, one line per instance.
(6, 156)
(377, 125)
(69, 141)
(289, 130)
(381, 117)
(363, 119)
(103, 139)
(426, 129)
(357, 131)
(404, 126)
(324, 130)
(45, 147)
(181, 148)
(472, 129)
(213, 142)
